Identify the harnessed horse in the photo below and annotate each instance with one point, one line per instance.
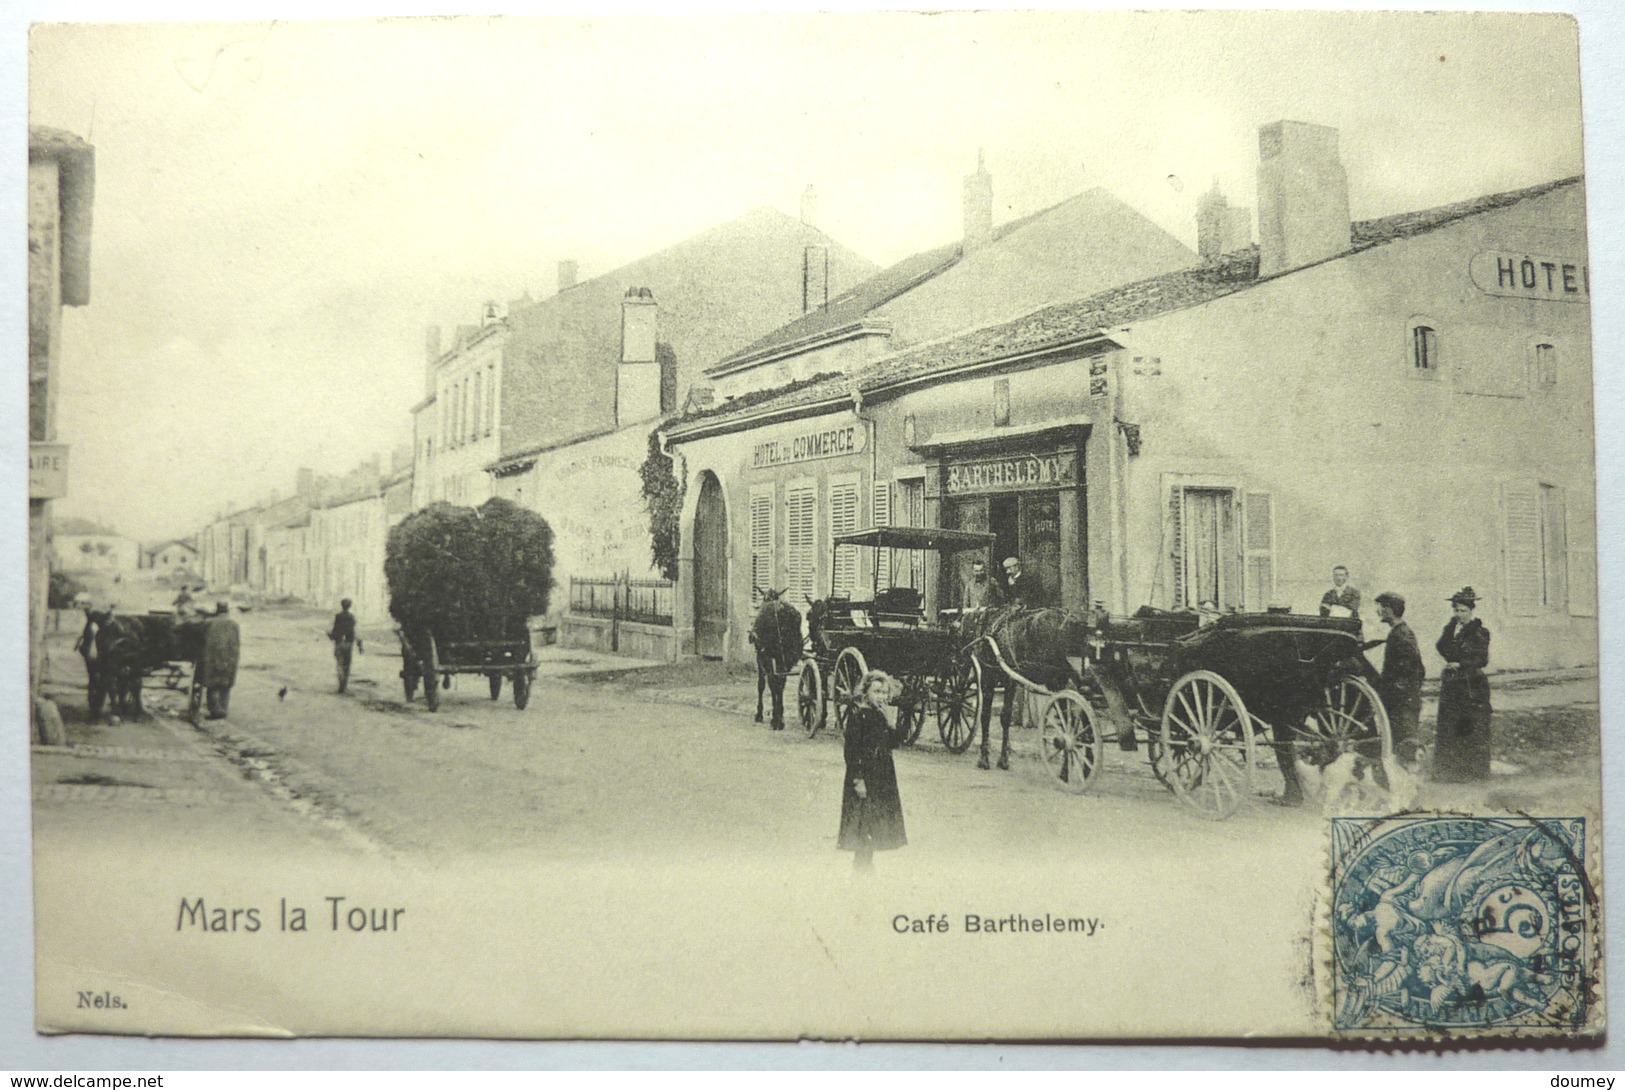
(776, 635)
(1030, 647)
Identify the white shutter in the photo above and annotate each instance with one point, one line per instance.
(800, 541)
(1259, 548)
(761, 543)
(886, 558)
(843, 519)
(1523, 572)
(1582, 542)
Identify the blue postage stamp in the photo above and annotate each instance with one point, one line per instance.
(1461, 924)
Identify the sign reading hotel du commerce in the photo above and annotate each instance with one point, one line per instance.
(810, 443)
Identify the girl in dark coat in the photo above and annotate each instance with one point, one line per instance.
(871, 811)
(1462, 748)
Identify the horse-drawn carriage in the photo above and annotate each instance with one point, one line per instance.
(890, 631)
(1201, 692)
(121, 651)
(496, 645)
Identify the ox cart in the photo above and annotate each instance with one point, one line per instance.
(1206, 695)
(497, 646)
(121, 652)
(890, 631)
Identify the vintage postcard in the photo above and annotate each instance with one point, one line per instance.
(979, 526)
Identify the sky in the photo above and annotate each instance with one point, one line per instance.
(282, 207)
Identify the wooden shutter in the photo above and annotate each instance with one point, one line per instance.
(761, 543)
(1176, 543)
(800, 532)
(1523, 574)
(843, 519)
(1582, 552)
(1258, 544)
(886, 558)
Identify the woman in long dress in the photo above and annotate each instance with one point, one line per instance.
(1462, 745)
(871, 810)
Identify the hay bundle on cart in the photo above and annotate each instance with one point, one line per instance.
(463, 584)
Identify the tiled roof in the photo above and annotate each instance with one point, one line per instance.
(1120, 306)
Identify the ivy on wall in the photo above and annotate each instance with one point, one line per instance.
(663, 499)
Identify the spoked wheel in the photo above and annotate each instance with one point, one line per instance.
(911, 707)
(1350, 719)
(848, 675)
(1070, 741)
(496, 686)
(960, 704)
(431, 677)
(522, 682)
(810, 697)
(1207, 744)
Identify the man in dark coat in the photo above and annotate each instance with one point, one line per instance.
(1402, 674)
(1018, 588)
(344, 642)
(1341, 596)
(221, 645)
(1462, 749)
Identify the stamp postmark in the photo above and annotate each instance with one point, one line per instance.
(1447, 925)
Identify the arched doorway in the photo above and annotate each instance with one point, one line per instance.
(710, 569)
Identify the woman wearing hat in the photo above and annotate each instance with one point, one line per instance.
(1462, 748)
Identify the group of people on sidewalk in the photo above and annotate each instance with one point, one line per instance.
(1461, 751)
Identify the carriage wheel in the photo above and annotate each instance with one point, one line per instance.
(1350, 719)
(844, 681)
(521, 687)
(1207, 744)
(431, 677)
(810, 697)
(1070, 741)
(496, 686)
(911, 708)
(960, 704)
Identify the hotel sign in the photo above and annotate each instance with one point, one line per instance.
(1013, 473)
(1531, 276)
(47, 471)
(810, 444)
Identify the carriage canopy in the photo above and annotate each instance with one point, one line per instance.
(921, 538)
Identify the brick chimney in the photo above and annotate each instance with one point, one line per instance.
(1303, 196)
(1221, 229)
(567, 275)
(978, 207)
(637, 394)
(814, 277)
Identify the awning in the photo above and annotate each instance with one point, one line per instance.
(1055, 430)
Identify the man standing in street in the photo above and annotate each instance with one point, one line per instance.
(1402, 673)
(343, 636)
(221, 645)
(1342, 600)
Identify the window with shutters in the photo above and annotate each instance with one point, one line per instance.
(801, 540)
(1220, 545)
(1543, 366)
(490, 398)
(885, 559)
(843, 519)
(1424, 347)
(1259, 542)
(478, 403)
(1534, 548)
(761, 542)
(910, 511)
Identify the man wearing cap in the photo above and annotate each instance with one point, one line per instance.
(342, 633)
(1018, 588)
(218, 670)
(1462, 748)
(1402, 674)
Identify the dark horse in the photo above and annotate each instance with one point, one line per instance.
(1033, 643)
(776, 635)
(120, 649)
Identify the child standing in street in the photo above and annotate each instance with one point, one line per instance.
(871, 811)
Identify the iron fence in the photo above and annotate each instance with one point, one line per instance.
(622, 598)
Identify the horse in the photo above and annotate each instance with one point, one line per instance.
(113, 649)
(776, 635)
(1031, 644)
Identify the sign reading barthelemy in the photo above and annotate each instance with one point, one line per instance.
(1010, 473)
(47, 471)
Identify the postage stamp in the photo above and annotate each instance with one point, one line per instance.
(1453, 924)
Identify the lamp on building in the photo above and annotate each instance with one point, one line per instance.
(1131, 436)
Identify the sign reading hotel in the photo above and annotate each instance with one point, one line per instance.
(1009, 474)
(1531, 276)
(47, 471)
(810, 444)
